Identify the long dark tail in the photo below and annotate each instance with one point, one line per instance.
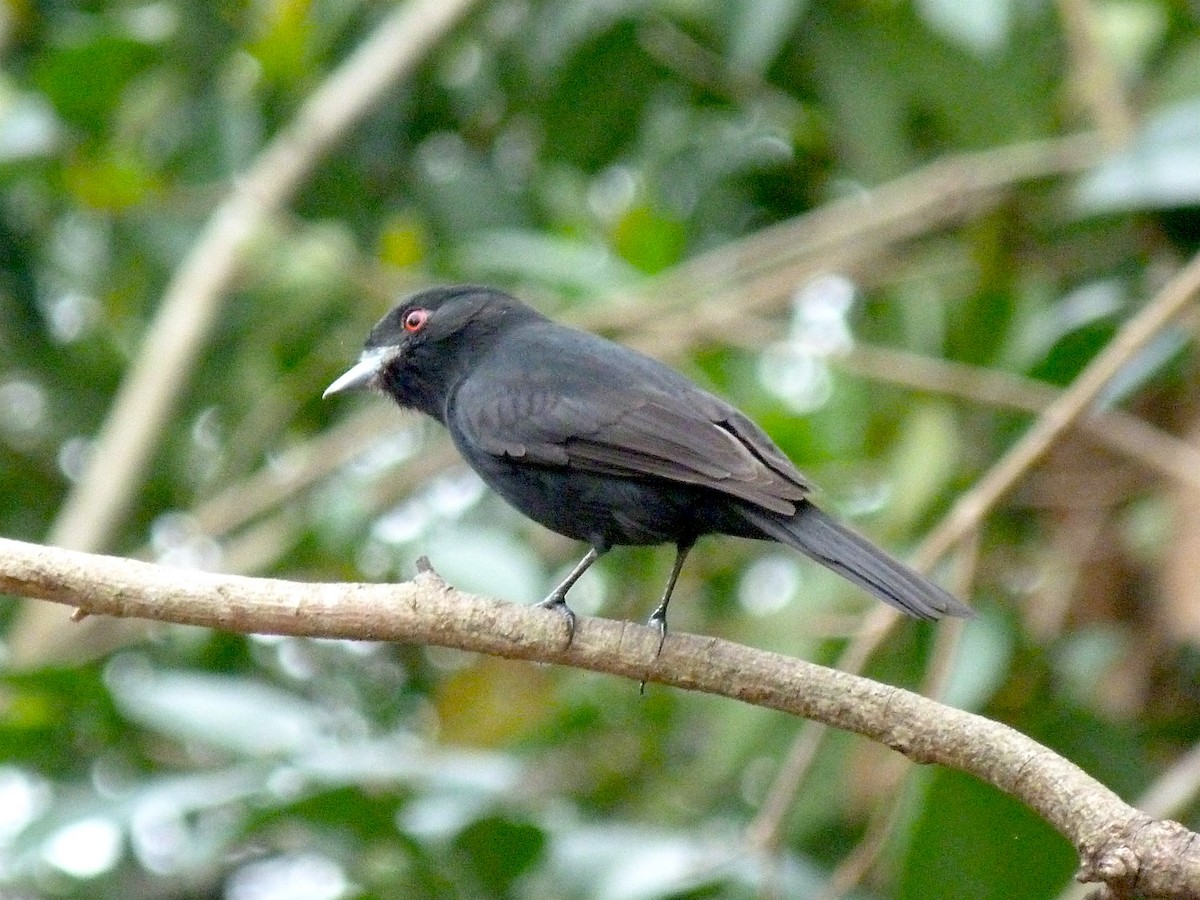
(856, 559)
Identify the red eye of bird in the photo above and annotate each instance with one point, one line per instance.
(415, 320)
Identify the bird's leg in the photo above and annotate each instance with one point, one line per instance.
(658, 618)
(558, 597)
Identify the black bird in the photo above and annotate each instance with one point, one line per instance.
(607, 446)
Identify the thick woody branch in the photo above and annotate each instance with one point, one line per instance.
(1131, 853)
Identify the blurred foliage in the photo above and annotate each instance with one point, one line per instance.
(571, 151)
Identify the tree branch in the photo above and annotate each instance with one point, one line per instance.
(1127, 850)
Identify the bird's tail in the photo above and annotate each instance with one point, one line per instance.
(856, 559)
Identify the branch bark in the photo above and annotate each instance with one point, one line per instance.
(1129, 852)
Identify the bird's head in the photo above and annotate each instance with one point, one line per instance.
(415, 352)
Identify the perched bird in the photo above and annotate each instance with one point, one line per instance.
(607, 446)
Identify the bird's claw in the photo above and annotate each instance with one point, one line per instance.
(558, 603)
(658, 621)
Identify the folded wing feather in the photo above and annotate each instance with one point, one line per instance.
(705, 442)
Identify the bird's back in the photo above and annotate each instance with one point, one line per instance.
(544, 394)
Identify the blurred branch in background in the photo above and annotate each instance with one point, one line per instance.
(970, 509)
(193, 300)
(1152, 447)
(1176, 789)
(1063, 413)
(761, 272)
(1094, 78)
(1126, 850)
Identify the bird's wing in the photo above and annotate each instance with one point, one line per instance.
(683, 435)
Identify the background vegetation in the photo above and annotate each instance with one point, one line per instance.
(889, 231)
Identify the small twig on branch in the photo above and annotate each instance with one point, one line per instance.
(1125, 849)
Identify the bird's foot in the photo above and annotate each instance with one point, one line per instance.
(658, 621)
(558, 603)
